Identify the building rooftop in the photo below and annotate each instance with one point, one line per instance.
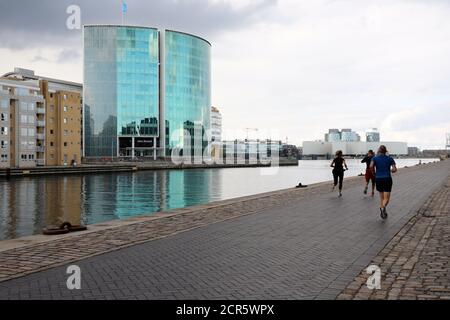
(144, 27)
(27, 74)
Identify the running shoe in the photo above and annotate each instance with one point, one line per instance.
(383, 213)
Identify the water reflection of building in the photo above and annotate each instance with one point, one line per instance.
(63, 200)
(153, 191)
(125, 195)
(28, 205)
(188, 187)
(23, 212)
(99, 197)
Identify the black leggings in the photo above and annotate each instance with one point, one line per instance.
(338, 175)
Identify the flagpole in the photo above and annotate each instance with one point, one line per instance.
(123, 9)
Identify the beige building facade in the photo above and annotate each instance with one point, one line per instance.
(40, 121)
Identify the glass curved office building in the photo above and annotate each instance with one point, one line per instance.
(144, 90)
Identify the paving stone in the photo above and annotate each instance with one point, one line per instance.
(295, 244)
(425, 271)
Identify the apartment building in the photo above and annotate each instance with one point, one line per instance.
(4, 129)
(21, 126)
(63, 126)
(40, 120)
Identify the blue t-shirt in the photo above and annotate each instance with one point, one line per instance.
(383, 165)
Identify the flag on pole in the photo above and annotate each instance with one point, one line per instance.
(124, 7)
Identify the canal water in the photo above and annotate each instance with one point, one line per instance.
(29, 204)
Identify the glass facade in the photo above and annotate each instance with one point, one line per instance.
(187, 89)
(121, 86)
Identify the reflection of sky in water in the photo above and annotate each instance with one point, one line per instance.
(29, 204)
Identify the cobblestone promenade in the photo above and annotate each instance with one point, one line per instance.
(292, 244)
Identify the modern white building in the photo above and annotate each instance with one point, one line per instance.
(336, 135)
(252, 150)
(216, 125)
(357, 148)
(333, 135)
(373, 135)
(216, 133)
(349, 135)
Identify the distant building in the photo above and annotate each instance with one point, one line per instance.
(300, 152)
(348, 135)
(436, 153)
(216, 133)
(355, 148)
(333, 135)
(256, 150)
(373, 135)
(336, 135)
(40, 120)
(216, 125)
(413, 152)
(289, 151)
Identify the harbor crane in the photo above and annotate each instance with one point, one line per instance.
(250, 129)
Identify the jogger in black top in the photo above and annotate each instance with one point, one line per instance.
(338, 164)
(369, 174)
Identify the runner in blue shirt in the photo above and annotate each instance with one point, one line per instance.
(382, 165)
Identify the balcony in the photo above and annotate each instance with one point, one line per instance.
(40, 123)
(40, 136)
(40, 149)
(40, 110)
(40, 162)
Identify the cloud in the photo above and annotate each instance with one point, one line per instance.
(39, 58)
(30, 23)
(418, 118)
(299, 67)
(68, 55)
(341, 64)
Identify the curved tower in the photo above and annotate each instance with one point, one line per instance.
(144, 89)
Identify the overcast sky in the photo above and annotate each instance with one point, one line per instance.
(292, 66)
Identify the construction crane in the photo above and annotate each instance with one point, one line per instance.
(447, 142)
(250, 129)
